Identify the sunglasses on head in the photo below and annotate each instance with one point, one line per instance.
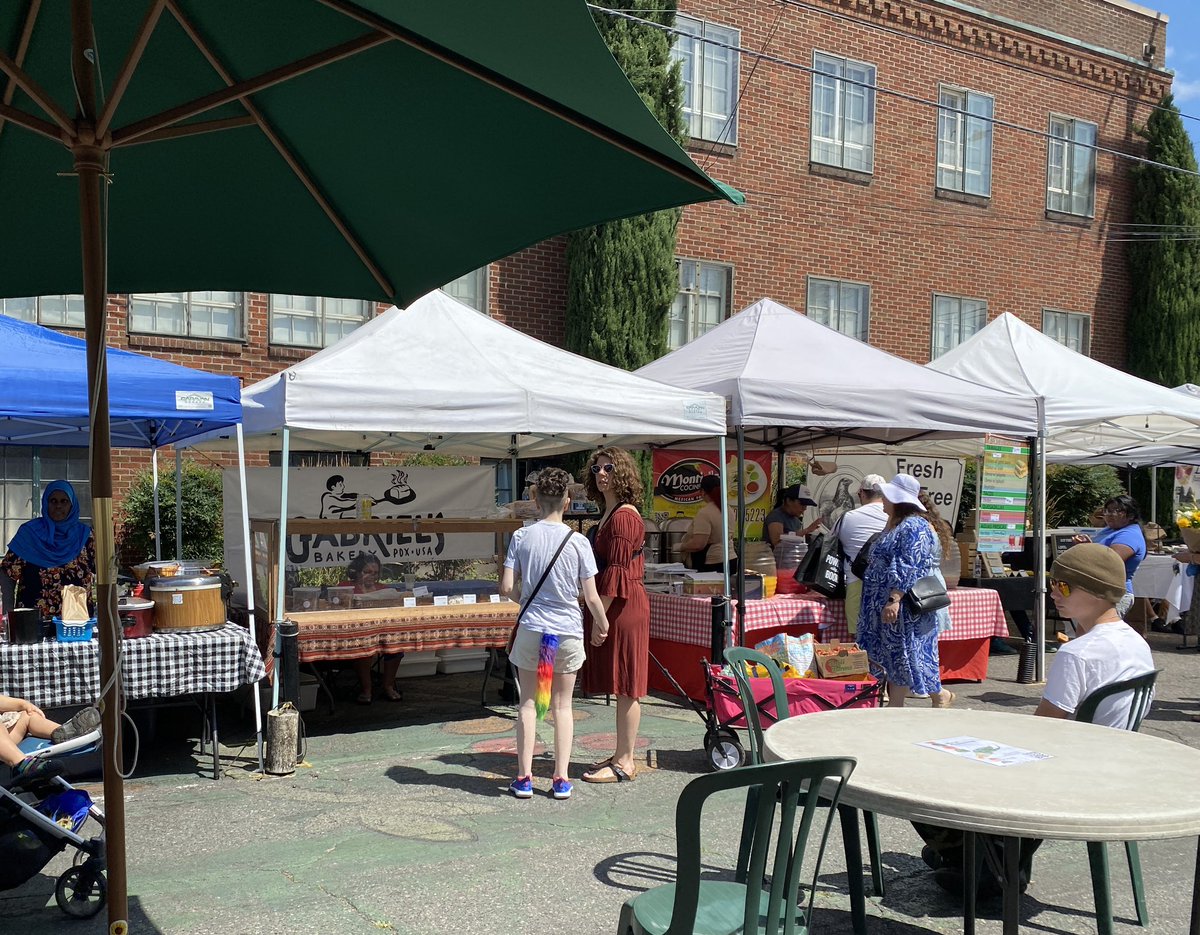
(605, 468)
(1061, 587)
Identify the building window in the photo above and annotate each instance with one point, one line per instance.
(1071, 167)
(24, 472)
(843, 306)
(843, 113)
(954, 320)
(55, 311)
(702, 303)
(312, 321)
(470, 289)
(1070, 329)
(708, 59)
(964, 157)
(216, 315)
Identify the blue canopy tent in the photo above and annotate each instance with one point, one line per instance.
(152, 403)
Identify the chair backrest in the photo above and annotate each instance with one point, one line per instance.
(1142, 687)
(737, 658)
(790, 791)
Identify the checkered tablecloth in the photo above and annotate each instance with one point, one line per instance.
(975, 613)
(160, 666)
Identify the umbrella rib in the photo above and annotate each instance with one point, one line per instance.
(22, 49)
(31, 123)
(22, 80)
(129, 66)
(285, 152)
(193, 129)
(520, 91)
(267, 79)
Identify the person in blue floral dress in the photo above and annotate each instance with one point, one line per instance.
(901, 643)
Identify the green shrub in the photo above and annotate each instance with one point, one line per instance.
(203, 530)
(1074, 492)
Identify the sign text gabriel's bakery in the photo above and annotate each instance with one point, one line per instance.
(381, 493)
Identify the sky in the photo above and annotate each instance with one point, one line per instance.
(1183, 56)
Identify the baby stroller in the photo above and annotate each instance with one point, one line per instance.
(40, 817)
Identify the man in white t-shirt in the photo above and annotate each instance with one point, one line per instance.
(853, 530)
(1087, 582)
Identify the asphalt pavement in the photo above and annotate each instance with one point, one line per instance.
(398, 821)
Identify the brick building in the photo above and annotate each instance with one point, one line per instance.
(912, 168)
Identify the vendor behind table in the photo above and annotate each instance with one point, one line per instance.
(48, 552)
(788, 515)
(704, 541)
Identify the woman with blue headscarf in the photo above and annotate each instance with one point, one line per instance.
(54, 550)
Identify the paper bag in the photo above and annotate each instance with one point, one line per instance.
(74, 604)
(795, 652)
(841, 661)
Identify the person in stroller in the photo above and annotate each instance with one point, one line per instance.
(20, 719)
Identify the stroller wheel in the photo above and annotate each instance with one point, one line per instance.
(723, 749)
(81, 892)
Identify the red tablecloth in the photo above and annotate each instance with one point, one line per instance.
(681, 632)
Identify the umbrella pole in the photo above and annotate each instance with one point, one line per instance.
(90, 165)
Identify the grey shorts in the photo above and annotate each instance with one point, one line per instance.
(528, 644)
(9, 718)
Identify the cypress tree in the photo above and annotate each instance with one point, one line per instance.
(1164, 315)
(621, 275)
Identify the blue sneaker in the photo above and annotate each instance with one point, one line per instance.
(561, 789)
(522, 787)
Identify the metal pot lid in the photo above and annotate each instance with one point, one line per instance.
(184, 583)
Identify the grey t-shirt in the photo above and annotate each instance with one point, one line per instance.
(555, 608)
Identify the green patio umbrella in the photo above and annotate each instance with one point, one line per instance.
(370, 149)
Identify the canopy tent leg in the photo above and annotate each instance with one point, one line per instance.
(157, 526)
(721, 458)
(280, 571)
(1039, 572)
(741, 542)
(89, 159)
(179, 503)
(241, 449)
(1154, 493)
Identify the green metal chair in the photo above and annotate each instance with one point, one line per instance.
(738, 657)
(1142, 687)
(767, 900)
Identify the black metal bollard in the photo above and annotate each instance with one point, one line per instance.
(1027, 664)
(287, 662)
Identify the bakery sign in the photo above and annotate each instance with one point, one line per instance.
(379, 493)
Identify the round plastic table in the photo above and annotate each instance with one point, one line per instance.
(896, 776)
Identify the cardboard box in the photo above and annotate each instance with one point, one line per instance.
(841, 660)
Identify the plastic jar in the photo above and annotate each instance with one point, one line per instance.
(759, 558)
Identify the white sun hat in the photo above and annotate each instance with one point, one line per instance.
(903, 488)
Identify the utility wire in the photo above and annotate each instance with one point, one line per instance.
(911, 98)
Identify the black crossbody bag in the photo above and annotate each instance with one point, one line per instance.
(512, 637)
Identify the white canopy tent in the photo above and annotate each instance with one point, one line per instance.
(1091, 412)
(793, 382)
(439, 376)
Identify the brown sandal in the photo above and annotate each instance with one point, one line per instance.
(616, 774)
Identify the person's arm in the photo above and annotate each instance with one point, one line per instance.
(1046, 709)
(19, 704)
(774, 533)
(1123, 551)
(507, 580)
(512, 564)
(599, 609)
(698, 536)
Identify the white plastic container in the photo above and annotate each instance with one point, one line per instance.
(414, 665)
(461, 660)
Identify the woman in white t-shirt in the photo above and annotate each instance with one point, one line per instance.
(550, 632)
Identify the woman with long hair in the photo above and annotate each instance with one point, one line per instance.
(902, 643)
(619, 666)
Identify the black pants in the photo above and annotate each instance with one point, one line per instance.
(948, 842)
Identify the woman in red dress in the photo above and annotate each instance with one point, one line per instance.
(620, 665)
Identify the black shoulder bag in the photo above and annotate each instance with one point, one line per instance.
(859, 566)
(512, 637)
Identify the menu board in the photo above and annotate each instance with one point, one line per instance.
(1003, 496)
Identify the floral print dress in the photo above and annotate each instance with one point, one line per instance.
(81, 570)
(907, 649)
